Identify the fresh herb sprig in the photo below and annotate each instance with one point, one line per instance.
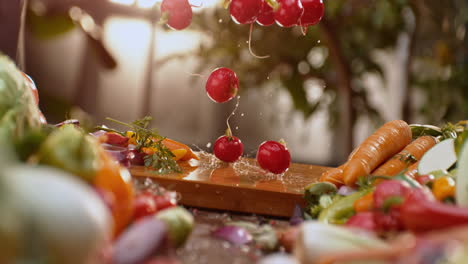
(162, 159)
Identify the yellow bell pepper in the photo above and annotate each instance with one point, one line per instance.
(443, 188)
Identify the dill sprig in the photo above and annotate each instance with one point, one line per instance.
(162, 159)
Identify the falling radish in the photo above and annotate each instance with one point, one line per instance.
(222, 85)
(289, 13)
(266, 16)
(245, 11)
(176, 13)
(274, 157)
(313, 12)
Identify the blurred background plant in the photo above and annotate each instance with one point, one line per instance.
(371, 60)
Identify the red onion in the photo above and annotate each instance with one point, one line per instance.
(119, 153)
(346, 190)
(297, 217)
(98, 133)
(234, 234)
(144, 239)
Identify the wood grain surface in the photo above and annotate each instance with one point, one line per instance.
(240, 187)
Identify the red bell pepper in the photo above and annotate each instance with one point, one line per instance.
(420, 212)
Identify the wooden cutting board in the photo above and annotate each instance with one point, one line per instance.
(241, 187)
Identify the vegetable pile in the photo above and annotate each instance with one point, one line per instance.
(403, 190)
(65, 194)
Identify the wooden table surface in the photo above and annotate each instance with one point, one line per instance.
(240, 187)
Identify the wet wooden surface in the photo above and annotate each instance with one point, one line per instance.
(239, 187)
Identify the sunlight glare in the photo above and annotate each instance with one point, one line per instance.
(147, 3)
(123, 2)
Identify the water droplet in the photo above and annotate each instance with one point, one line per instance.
(242, 114)
(220, 21)
(247, 42)
(237, 128)
(268, 77)
(318, 41)
(208, 145)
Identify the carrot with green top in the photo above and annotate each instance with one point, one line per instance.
(409, 155)
(376, 149)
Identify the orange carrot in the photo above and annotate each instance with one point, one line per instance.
(334, 176)
(172, 145)
(383, 144)
(412, 170)
(409, 155)
(365, 203)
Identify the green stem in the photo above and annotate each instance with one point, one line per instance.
(273, 4)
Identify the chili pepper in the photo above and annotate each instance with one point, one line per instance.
(420, 212)
(443, 188)
(365, 203)
(342, 209)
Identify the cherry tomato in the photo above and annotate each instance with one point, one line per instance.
(274, 157)
(289, 13)
(228, 148)
(164, 202)
(178, 12)
(245, 11)
(144, 205)
(222, 85)
(116, 179)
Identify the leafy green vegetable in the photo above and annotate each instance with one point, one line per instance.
(18, 110)
(72, 150)
(340, 210)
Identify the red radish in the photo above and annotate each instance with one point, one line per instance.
(266, 16)
(222, 85)
(245, 11)
(388, 189)
(273, 157)
(289, 13)
(313, 12)
(116, 139)
(388, 221)
(178, 13)
(144, 205)
(363, 220)
(228, 148)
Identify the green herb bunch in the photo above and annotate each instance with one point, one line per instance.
(162, 159)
